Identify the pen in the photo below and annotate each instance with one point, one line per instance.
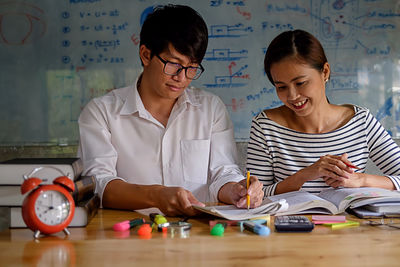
(125, 225)
(247, 187)
(256, 228)
(351, 166)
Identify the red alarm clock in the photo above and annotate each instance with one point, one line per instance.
(48, 208)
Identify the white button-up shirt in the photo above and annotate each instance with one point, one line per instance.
(120, 139)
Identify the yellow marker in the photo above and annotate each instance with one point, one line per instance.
(248, 184)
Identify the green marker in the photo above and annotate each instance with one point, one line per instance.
(218, 229)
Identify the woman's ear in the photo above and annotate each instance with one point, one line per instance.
(145, 55)
(326, 71)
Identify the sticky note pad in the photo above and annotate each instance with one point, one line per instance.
(265, 217)
(335, 226)
(328, 218)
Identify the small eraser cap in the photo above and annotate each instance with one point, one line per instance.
(262, 230)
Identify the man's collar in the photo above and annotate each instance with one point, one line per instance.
(188, 96)
(133, 102)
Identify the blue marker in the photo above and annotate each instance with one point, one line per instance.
(257, 228)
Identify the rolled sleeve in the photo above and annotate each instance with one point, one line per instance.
(223, 154)
(95, 148)
(395, 180)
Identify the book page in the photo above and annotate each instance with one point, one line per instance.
(301, 202)
(374, 200)
(348, 197)
(231, 212)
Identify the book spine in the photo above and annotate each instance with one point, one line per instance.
(84, 188)
(10, 195)
(13, 171)
(85, 211)
(92, 207)
(77, 166)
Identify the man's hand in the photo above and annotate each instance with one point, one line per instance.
(171, 201)
(174, 201)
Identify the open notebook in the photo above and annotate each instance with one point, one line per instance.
(231, 212)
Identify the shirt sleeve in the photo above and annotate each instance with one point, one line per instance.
(95, 148)
(223, 166)
(259, 158)
(384, 152)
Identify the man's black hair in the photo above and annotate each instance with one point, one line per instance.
(180, 26)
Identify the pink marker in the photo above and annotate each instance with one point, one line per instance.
(126, 225)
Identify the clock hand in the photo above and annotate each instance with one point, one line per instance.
(49, 208)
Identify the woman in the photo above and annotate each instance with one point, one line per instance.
(309, 143)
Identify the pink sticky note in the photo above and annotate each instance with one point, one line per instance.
(328, 218)
(328, 222)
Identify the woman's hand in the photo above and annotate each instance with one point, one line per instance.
(355, 180)
(236, 193)
(330, 166)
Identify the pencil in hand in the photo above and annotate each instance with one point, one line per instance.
(247, 187)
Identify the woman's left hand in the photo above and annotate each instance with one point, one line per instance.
(355, 180)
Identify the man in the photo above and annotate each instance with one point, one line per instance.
(159, 143)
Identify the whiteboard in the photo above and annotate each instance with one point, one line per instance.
(57, 55)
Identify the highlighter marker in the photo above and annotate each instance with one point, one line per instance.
(157, 219)
(218, 229)
(125, 225)
(257, 228)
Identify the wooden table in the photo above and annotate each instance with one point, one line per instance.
(99, 245)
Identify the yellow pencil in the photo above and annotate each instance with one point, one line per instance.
(248, 184)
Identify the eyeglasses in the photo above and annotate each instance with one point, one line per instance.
(172, 69)
(388, 221)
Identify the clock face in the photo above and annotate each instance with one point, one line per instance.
(52, 207)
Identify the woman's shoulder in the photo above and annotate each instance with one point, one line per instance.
(278, 115)
(356, 110)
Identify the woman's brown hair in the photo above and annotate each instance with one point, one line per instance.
(298, 44)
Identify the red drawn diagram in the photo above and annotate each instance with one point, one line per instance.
(21, 23)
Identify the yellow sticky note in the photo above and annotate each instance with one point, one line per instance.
(266, 217)
(348, 223)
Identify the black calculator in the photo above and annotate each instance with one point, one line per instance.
(293, 224)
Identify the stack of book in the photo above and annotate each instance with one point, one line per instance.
(11, 178)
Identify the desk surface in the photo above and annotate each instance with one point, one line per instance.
(99, 245)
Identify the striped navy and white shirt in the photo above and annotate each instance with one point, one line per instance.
(275, 152)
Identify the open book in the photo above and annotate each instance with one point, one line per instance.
(333, 201)
(231, 212)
